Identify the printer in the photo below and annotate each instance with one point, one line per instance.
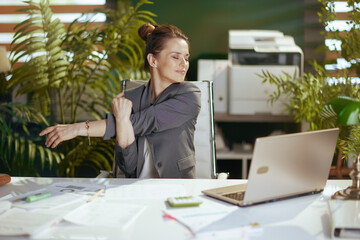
(238, 88)
(250, 53)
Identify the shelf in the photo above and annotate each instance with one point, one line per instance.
(224, 117)
(233, 155)
(244, 157)
(245, 129)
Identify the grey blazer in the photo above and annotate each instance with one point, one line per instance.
(168, 124)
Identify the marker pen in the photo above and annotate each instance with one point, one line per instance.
(37, 197)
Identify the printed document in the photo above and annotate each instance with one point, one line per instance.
(100, 213)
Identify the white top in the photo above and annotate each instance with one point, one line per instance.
(148, 170)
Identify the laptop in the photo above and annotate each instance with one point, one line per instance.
(284, 166)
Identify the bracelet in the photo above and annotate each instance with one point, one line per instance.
(87, 130)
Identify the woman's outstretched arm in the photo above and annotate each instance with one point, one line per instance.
(124, 130)
(63, 132)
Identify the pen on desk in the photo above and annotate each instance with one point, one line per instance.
(95, 195)
(37, 197)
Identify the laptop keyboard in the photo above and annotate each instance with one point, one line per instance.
(237, 195)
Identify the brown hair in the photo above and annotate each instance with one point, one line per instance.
(156, 36)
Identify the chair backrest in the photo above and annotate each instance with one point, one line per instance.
(204, 139)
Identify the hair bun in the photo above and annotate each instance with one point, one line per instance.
(145, 30)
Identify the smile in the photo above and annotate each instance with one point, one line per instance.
(181, 72)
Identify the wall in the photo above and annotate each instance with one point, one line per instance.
(206, 22)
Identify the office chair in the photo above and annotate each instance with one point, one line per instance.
(204, 137)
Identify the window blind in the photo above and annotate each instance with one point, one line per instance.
(65, 10)
(333, 52)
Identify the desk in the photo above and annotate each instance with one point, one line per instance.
(302, 218)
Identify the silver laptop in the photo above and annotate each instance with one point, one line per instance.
(284, 166)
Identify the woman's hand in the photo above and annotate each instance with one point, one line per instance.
(124, 130)
(121, 107)
(59, 133)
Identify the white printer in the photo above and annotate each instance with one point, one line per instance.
(251, 52)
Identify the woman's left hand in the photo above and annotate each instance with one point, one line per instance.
(121, 107)
(124, 129)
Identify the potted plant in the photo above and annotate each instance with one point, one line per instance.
(307, 95)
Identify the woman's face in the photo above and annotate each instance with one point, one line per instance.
(172, 63)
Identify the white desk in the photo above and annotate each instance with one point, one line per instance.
(299, 218)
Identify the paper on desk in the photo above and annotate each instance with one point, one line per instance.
(105, 214)
(17, 222)
(245, 232)
(51, 202)
(145, 191)
(61, 188)
(196, 218)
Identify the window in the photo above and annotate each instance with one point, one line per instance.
(343, 24)
(65, 10)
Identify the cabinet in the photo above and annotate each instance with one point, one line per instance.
(242, 130)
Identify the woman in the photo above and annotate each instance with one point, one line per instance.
(154, 124)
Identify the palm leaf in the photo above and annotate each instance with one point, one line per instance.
(46, 70)
(21, 152)
(98, 155)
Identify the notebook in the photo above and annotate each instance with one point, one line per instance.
(284, 166)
